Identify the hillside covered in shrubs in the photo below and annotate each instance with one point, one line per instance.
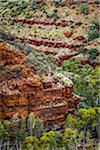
(49, 75)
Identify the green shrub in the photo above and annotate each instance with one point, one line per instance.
(78, 23)
(92, 53)
(29, 15)
(93, 34)
(31, 142)
(67, 13)
(41, 62)
(51, 139)
(94, 25)
(55, 15)
(11, 5)
(85, 8)
(15, 13)
(63, 2)
(40, 7)
(56, 3)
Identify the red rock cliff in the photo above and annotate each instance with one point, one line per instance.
(22, 90)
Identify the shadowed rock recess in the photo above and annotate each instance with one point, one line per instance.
(23, 91)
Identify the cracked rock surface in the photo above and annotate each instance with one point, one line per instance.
(22, 90)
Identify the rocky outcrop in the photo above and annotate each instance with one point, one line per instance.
(9, 56)
(68, 33)
(50, 43)
(80, 37)
(23, 91)
(58, 22)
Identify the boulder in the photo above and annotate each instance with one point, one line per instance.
(68, 33)
(80, 37)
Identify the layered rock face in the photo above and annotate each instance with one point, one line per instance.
(23, 91)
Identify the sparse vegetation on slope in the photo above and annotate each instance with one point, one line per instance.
(41, 44)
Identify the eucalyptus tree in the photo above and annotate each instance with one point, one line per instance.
(31, 143)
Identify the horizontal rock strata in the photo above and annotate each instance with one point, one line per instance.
(23, 91)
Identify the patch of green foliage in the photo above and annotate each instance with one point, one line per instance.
(93, 53)
(21, 6)
(58, 3)
(29, 15)
(85, 78)
(78, 23)
(41, 62)
(95, 24)
(84, 126)
(31, 142)
(63, 2)
(93, 32)
(67, 13)
(55, 14)
(46, 13)
(15, 13)
(51, 139)
(78, 132)
(42, 6)
(85, 8)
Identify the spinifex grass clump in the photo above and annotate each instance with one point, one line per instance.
(41, 6)
(85, 8)
(41, 62)
(93, 52)
(93, 32)
(55, 14)
(29, 15)
(15, 13)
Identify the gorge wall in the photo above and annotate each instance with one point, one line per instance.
(23, 91)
